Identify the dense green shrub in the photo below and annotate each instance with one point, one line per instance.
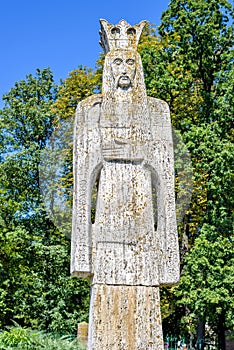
(21, 338)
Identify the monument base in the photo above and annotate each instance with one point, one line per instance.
(125, 318)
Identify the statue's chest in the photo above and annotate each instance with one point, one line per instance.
(123, 143)
(127, 129)
(124, 131)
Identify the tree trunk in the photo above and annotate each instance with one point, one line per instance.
(200, 334)
(221, 332)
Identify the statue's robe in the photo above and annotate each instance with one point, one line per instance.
(128, 156)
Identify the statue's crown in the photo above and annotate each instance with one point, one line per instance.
(120, 36)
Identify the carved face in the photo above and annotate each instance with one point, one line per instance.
(123, 67)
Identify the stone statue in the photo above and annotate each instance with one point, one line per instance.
(123, 141)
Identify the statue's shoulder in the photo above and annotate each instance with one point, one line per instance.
(159, 109)
(90, 102)
(157, 104)
(88, 110)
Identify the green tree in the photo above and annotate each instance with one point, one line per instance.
(26, 123)
(80, 83)
(206, 285)
(36, 288)
(190, 65)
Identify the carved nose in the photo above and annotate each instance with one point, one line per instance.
(124, 70)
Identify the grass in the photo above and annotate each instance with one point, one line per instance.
(21, 338)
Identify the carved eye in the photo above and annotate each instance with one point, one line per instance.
(115, 31)
(118, 61)
(131, 31)
(130, 61)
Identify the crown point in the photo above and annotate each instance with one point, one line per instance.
(120, 36)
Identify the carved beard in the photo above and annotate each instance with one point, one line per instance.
(123, 101)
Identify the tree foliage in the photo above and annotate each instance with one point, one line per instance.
(36, 288)
(80, 83)
(190, 65)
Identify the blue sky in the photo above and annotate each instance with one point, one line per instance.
(60, 34)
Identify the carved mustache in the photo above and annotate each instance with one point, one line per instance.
(124, 78)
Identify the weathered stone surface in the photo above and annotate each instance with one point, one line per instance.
(82, 332)
(123, 140)
(125, 318)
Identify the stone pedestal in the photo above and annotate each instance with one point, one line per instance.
(82, 333)
(125, 318)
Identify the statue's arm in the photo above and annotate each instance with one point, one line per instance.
(161, 162)
(87, 162)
